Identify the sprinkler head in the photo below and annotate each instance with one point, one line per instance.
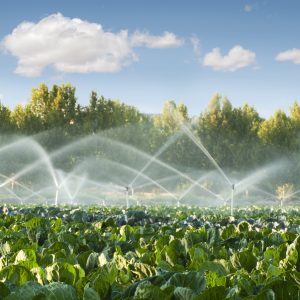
(232, 186)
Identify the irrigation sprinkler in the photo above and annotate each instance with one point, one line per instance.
(56, 196)
(128, 192)
(232, 198)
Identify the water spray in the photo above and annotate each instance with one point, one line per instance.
(199, 144)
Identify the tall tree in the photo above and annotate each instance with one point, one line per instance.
(278, 131)
(6, 123)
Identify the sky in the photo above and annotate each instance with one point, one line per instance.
(144, 53)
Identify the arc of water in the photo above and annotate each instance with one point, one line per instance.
(128, 147)
(8, 180)
(259, 175)
(59, 186)
(38, 193)
(78, 187)
(134, 171)
(293, 194)
(104, 186)
(199, 144)
(14, 194)
(118, 144)
(44, 158)
(169, 142)
(202, 187)
(263, 192)
(194, 184)
(160, 180)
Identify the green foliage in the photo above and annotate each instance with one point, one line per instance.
(182, 261)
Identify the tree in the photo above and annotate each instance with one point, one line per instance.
(39, 103)
(229, 134)
(172, 118)
(6, 123)
(18, 116)
(278, 131)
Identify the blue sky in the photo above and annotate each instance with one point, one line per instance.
(164, 53)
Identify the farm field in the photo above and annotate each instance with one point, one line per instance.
(155, 252)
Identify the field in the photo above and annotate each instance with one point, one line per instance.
(149, 253)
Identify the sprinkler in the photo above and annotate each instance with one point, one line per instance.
(56, 196)
(128, 192)
(231, 203)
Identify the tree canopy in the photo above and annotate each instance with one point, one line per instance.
(237, 137)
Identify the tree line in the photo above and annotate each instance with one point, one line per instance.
(237, 137)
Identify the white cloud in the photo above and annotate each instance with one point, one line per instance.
(248, 8)
(77, 46)
(237, 58)
(167, 40)
(196, 47)
(291, 54)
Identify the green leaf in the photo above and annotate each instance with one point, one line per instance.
(16, 274)
(244, 227)
(34, 223)
(291, 256)
(103, 279)
(5, 248)
(148, 291)
(213, 293)
(90, 294)
(142, 270)
(274, 271)
(175, 253)
(91, 261)
(193, 280)
(61, 291)
(34, 291)
(64, 272)
(273, 255)
(267, 294)
(220, 267)
(4, 290)
(214, 279)
(244, 259)
(198, 257)
(28, 291)
(284, 289)
(182, 293)
(56, 224)
(24, 255)
(229, 231)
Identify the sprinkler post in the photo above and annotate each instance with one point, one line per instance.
(56, 197)
(127, 196)
(231, 203)
(282, 198)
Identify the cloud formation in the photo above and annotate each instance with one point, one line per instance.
(196, 47)
(237, 58)
(77, 46)
(167, 40)
(292, 55)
